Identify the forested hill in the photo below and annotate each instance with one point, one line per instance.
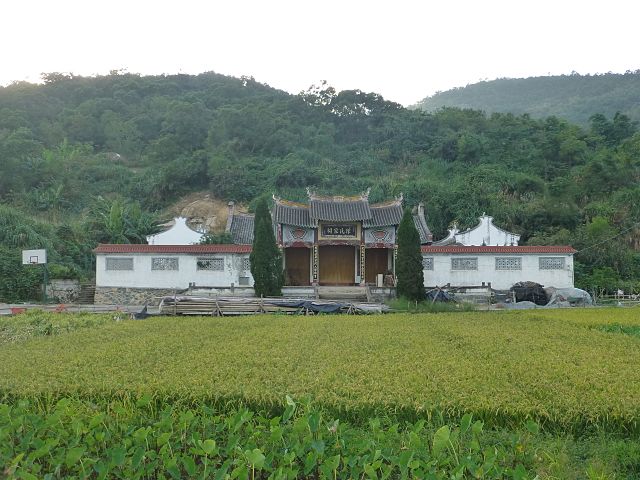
(88, 160)
(572, 97)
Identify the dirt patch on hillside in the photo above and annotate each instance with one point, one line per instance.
(203, 210)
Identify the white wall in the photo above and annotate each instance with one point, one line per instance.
(143, 277)
(486, 233)
(178, 234)
(443, 274)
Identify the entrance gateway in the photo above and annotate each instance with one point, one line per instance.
(337, 240)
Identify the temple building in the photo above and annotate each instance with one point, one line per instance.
(337, 240)
(333, 240)
(327, 241)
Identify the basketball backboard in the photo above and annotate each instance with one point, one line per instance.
(34, 257)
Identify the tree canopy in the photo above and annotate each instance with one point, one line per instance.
(573, 97)
(75, 146)
(265, 257)
(409, 270)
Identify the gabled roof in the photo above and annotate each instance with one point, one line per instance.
(339, 209)
(385, 214)
(242, 228)
(423, 229)
(197, 249)
(507, 249)
(290, 213)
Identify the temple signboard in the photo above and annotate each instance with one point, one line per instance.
(339, 231)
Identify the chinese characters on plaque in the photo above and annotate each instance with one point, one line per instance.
(339, 230)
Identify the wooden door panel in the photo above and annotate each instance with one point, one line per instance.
(376, 261)
(297, 266)
(337, 264)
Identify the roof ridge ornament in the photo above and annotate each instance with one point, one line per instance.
(310, 194)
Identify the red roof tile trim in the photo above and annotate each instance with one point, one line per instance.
(514, 250)
(131, 248)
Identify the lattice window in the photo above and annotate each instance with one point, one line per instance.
(246, 264)
(210, 263)
(551, 263)
(119, 264)
(164, 263)
(464, 264)
(508, 263)
(427, 263)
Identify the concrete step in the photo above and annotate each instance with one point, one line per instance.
(87, 294)
(342, 293)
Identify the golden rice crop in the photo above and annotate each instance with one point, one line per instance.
(503, 366)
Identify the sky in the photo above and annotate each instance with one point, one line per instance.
(404, 50)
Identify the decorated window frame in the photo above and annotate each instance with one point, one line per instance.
(464, 263)
(551, 263)
(508, 263)
(118, 264)
(210, 264)
(165, 263)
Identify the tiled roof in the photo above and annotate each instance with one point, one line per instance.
(291, 214)
(385, 215)
(423, 229)
(508, 249)
(137, 248)
(450, 239)
(339, 210)
(242, 229)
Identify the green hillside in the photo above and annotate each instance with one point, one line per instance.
(572, 97)
(88, 160)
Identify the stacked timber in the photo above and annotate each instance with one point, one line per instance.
(226, 306)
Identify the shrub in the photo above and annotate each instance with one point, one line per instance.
(409, 260)
(266, 259)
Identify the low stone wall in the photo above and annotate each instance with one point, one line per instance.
(221, 291)
(381, 294)
(63, 291)
(131, 296)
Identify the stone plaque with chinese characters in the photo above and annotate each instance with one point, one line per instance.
(349, 230)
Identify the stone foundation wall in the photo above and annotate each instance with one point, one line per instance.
(381, 294)
(63, 291)
(131, 296)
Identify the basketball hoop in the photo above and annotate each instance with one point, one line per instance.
(37, 257)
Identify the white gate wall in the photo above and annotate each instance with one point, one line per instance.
(142, 276)
(486, 272)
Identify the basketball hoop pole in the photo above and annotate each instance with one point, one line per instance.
(44, 285)
(36, 257)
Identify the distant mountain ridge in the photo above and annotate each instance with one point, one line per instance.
(573, 97)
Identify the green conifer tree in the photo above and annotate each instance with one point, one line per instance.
(266, 259)
(409, 260)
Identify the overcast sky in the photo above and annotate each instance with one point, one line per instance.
(404, 50)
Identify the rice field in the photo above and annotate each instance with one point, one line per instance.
(569, 370)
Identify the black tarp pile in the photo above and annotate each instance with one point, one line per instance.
(439, 295)
(313, 306)
(529, 292)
